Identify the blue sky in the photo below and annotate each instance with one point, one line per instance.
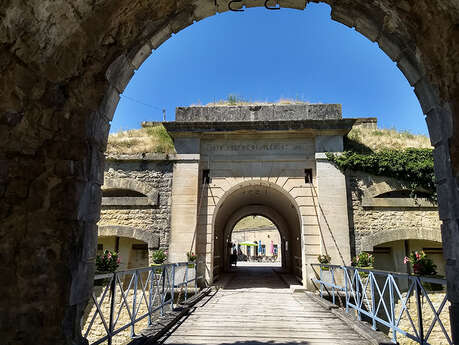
(263, 55)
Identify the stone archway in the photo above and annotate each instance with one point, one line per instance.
(132, 184)
(63, 68)
(263, 198)
(128, 231)
(369, 242)
(259, 210)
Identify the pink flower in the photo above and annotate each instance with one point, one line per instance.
(417, 255)
(109, 255)
(118, 261)
(406, 260)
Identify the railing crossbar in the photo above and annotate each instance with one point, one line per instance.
(152, 291)
(362, 294)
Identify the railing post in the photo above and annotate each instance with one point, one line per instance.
(321, 281)
(134, 301)
(346, 288)
(163, 279)
(373, 302)
(150, 298)
(195, 278)
(392, 307)
(173, 286)
(186, 282)
(357, 292)
(333, 282)
(419, 307)
(112, 308)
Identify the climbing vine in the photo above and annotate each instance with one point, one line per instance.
(412, 165)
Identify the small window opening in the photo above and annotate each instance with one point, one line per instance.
(308, 175)
(206, 176)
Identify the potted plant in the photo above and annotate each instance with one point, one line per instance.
(108, 262)
(364, 260)
(423, 266)
(191, 257)
(159, 257)
(324, 260)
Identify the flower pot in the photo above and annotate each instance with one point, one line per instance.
(158, 270)
(325, 268)
(364, 274)
(191, 265)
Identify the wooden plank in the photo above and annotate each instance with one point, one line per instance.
(256, 307)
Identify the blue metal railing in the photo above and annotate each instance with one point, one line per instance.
(377, 294)
(141, 293)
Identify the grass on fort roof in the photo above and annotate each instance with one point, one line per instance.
(363, 140)
(252, 222)
(143, 140)
(367, 140)
(233, 100)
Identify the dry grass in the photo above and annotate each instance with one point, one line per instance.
(236, 100)
(378, 139)
(251, 222)
(156, 139)
(150, 139)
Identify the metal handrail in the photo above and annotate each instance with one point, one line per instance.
(383, 287)
(151, 287)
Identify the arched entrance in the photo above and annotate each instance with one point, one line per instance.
(51, 90)
(265, 199)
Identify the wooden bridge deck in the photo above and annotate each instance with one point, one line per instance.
(254, 308)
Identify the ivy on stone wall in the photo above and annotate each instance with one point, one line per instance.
(412, 165)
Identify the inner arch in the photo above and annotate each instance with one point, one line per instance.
(259, 199)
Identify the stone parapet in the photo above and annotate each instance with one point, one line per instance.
(267, 112)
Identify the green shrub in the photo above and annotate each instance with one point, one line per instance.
(412, 165)
(108, 262)
(159, 256)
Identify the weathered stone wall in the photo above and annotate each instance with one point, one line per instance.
(436, 337)
(370, 225)
(63, 67)
(154, 219)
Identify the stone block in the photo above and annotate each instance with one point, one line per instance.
(82, 282)
(181, 21)
(329, 143)
(409, 70)
(426, 95)
(142, 54)
(389, 46)
(442, 163)
(161, 36)
(109, 103)
(294, 4)
(187, 145)
(450, 236)
(343, 16)
(203, 9)
(120, 72)
(440, 125)
(367, 27)
(447, 199)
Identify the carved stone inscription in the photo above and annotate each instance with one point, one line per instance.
(257, 147)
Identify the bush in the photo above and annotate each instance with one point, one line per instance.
(108, 262)
(412, 165)
(159, 256)
(191, 257)
(420, 263)
(364, 259)
(324, 259)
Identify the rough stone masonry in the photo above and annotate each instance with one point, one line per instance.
(63, 65)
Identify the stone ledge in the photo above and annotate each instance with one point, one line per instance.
(150, 156)
(261, 112)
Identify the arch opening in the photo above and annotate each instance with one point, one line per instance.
(256, 239)
(258, 199)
